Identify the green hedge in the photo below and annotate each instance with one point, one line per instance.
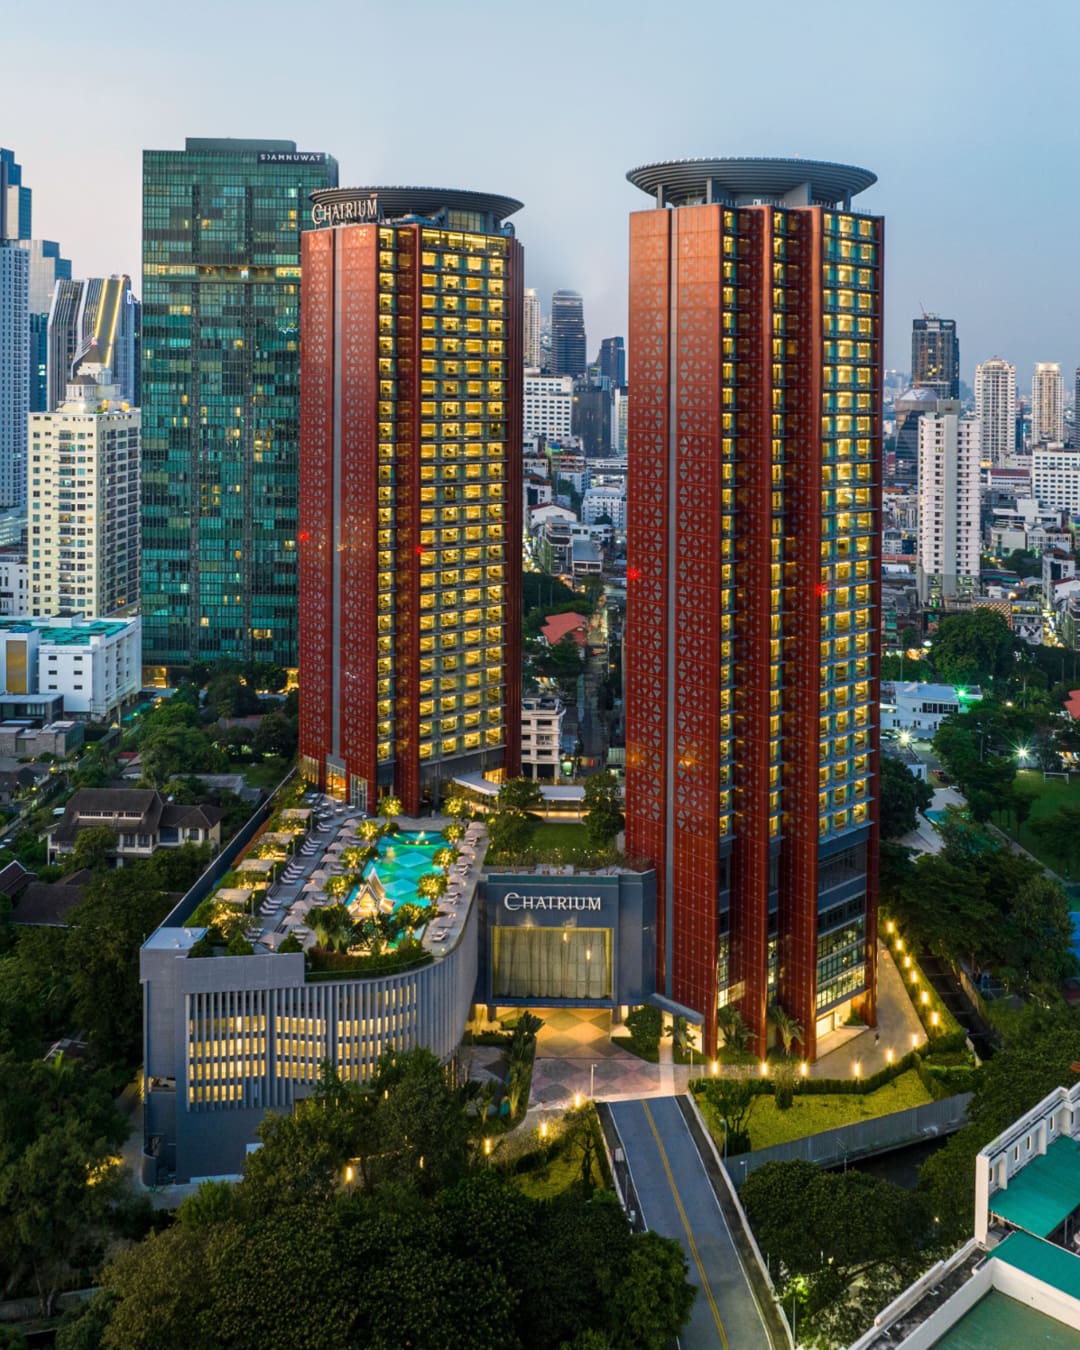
(948, 1042)
(500, 1038)
(939, 1080)
(340, 965)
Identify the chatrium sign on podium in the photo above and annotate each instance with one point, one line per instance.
(363, 209)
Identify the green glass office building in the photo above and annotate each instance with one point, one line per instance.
(222, 221)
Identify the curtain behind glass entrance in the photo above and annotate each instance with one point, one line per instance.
(573, 963)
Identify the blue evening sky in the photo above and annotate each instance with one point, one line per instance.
(967, 111)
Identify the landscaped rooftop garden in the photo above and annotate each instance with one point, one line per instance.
(368, 917)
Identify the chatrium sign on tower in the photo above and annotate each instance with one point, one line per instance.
(358, 210)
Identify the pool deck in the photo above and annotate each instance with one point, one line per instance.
(319, 857)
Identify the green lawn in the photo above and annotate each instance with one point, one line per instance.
(266, 774)
(555, 1177)
(560, 834)
(559, 842)
(1053, 792)
(813, 1113)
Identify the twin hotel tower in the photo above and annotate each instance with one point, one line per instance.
(752, 628)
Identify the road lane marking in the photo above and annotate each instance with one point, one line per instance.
(686, 1225)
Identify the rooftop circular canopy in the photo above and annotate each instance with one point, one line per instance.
(683, 182)
(421, 201)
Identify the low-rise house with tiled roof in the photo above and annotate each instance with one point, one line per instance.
(142, 820)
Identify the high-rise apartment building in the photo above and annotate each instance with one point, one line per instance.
(15, 199)
(752, 639)
(591, 422)
(84, 507)
(47, 267)
(222, 221)
(995, 409)
(94, 321)
(1047, 404)
(949, 470)
(532, 328)
(14, 371)
(1055, 478)
(612, 361)
(935, 356)
(620, 420)
(410, 492)
(25, 295)
(548, 406)
(1076, 410)
(567, 334)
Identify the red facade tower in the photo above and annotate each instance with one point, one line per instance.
(752, 627)
(410, 492)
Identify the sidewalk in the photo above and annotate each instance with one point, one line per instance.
(897, 1023)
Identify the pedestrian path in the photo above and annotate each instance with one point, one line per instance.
(677, 1201)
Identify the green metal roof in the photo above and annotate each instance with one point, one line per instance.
(998, 1322)
(1042, 1261)
(1045, 1192)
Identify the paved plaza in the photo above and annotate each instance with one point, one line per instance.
(576, 1052)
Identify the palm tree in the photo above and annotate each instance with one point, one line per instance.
(411, 916)
(730, 1024)
(455, 807)
(445, 858)
(788, 1028)
(375, 931)
(390, 807)
(338, 887)
(333, 927)
(431, 886)
(369, 831)
(454, 832)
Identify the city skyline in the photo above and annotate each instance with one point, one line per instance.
(935, 261)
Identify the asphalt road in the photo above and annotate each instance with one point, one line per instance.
(677, 1200)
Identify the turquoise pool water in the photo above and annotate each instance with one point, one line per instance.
(936, 816)
(403, 859)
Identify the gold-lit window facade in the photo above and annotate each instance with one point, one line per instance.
(454, 313)
(851, 280)
(227, 1055)
(849, 358)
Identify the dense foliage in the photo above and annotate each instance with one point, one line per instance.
(979, 903)
(603, 802)
(427, 1245)
(902, 796)
(973, 647)
(841, 1244)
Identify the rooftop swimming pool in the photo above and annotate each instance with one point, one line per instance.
(403, 859)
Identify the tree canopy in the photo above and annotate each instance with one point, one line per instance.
(603, 802)
(902, 795)
(978, 902)
(973, 647)
(846, 1242)
(369, 1200)
(59, 1133)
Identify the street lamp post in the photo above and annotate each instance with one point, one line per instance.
(592, 1082)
